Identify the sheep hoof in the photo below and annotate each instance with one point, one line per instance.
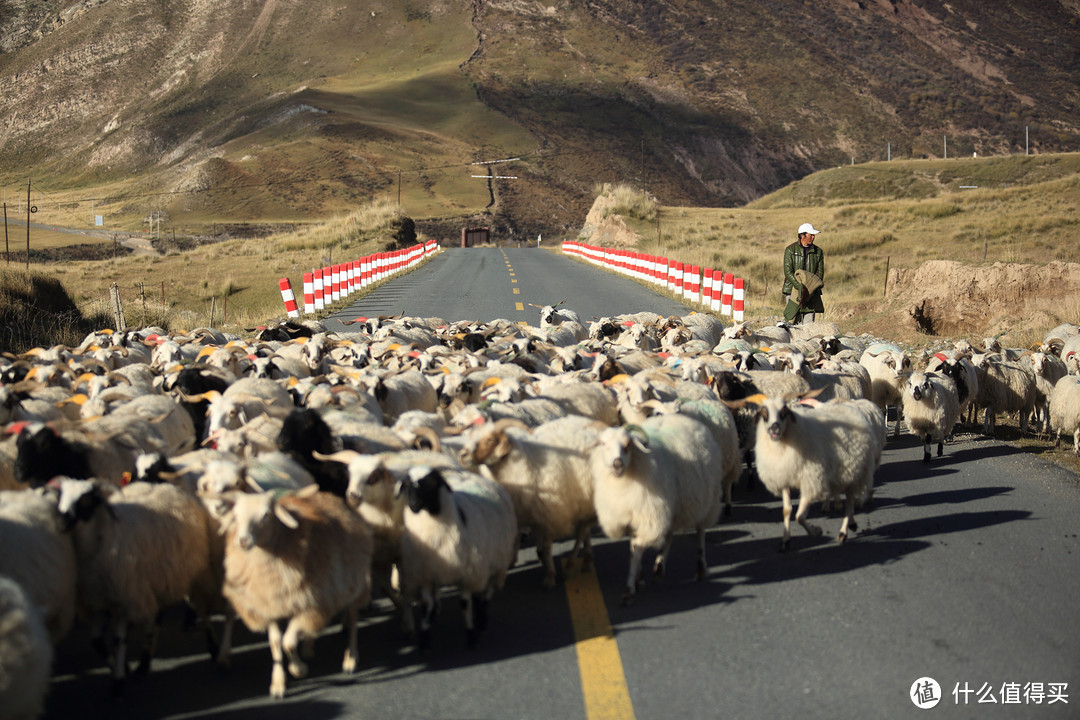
(926, 457)
(297, 668)
(627, 597)
(841, 537)
(659, 569)
(702, 572)
(853, 526)
(785, 545)
(348, 664)
(277, 683)
(813, 531)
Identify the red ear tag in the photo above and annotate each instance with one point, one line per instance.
(16, 428)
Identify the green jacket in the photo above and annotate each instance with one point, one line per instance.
(815, 263)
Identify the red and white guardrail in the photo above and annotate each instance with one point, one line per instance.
(712, 289)
(327, 285)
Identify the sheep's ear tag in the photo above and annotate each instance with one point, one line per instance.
(125, 479)
(941, 356)
(16, 428)
(285, 517)
(491, 381)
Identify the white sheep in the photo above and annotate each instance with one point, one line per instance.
(301, 559)
(547, 474)
(821, 452)
(25, 654)
(39, 556)
(461, 531)
(1004, 387)
(1047, 370)
(958, 368)
(653, 480)
(138, 550)
(1065, 410)
(931, 409)
(887, 365)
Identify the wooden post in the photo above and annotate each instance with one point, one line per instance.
(28, 227)
(885, 292)
(224, 310)
(117, 308)
(213, 304)
(7, 251)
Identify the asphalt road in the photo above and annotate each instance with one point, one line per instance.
(964, 570)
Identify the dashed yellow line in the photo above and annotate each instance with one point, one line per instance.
(519, 307)
(603, 682)
(517, 291)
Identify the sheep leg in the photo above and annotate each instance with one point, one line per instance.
(702, 568)
(348, 664)
(941, 447)
(583, 545)
(660, 566)
(636, 553)
(472, 638)
(427, 614)
(120, 661)
(225, 650)
(800, 515)
(849, 517)
(277, 675)
(299, 641)
(785, 496)
(1076, 442)
(546, 556)
(926, 448)
(150, 646)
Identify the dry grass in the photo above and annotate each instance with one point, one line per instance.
(1034, 223)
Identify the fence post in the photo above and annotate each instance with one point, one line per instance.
(117, 308)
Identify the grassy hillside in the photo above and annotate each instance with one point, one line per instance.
(288, 111)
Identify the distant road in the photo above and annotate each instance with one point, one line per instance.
(489, 283)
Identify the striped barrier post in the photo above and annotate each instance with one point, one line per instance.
(671, 275)
(686, 279)
(320, 301)
(725, 299)
(309, 292)
(287, 296)
(707, 288)
(737, 309)
(695, 283)
(335, 283)
(717, 290)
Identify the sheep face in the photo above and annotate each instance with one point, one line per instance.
(42, 455)
(369, 481)
(614, 448)
(425, 487)
(255, 517)
(78, 501)
(487, 448)
(775, 415)
(919, 386)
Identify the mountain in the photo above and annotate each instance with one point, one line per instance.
(287, 110)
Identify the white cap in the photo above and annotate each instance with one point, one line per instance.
(808, 228)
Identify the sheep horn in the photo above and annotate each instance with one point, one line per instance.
(341, 456)
(430, 435)
(502, 424)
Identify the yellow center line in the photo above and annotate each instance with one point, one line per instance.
(517, 291)
(603, 683)
(513, 282)
(519, 307)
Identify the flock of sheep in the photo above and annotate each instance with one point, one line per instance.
(286, 477)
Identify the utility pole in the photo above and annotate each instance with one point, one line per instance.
(1027, 150)
(888, 151)
(399, 189)
(946, 147)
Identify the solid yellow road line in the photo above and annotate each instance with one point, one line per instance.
(519, 307)
(603, 683)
